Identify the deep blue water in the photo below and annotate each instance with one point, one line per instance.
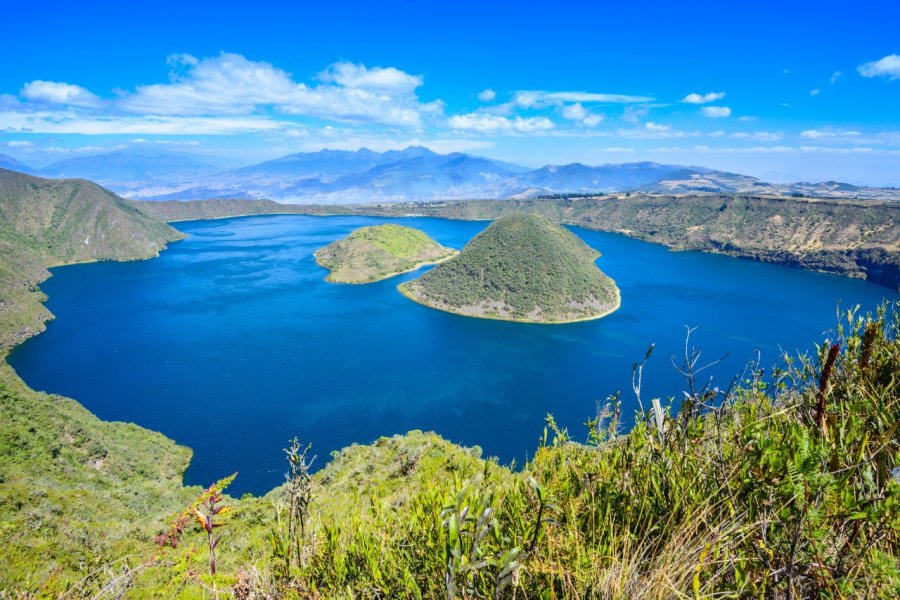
(231, 343)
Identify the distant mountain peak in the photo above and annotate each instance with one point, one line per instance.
(8, 162)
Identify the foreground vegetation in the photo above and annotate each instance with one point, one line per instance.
(521, 268)
(374, 253)
(853, 238)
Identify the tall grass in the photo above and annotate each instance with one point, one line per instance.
(778, 487)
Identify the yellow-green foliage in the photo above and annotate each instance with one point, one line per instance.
(399, 240)
(79, 497)
(373, 253)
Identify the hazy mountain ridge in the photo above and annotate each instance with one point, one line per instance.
(415, 173)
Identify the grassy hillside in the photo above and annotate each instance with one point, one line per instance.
(521, 268)
(374, 253)
(46, 222)
(191, 210)
(857, 239)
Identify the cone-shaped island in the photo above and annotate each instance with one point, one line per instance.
(378, 252)
(521, 268)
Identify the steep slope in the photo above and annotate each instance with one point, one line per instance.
(521, 268)
(374, 253)
(45, 222)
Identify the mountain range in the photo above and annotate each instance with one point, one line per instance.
(415, 173)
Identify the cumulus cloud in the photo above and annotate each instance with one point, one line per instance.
(488, 123)
(230, 85)
(55, 92)
(487, 95)
(887, 67)
(577, 112)
(233, 84)
(716, 112)
(814, 92)
(387, 80)
(703, 98)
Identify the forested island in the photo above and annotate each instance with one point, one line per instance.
(379, 252)
(521, 268)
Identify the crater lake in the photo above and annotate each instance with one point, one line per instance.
(232, 343)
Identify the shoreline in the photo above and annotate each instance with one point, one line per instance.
(617, 306)
(415, 267)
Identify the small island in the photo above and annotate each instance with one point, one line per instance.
(521, 268)
(379, 252)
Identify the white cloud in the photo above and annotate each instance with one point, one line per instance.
(651, 126)
(887, 67)
(816, 134)
(703, 98)
(539, 99)
(634, 114)
(814, 92)
(716, 111)
(597, 98)
(386, 80)
(577, 112)
(54, 92)
(69, 122)
(487, 95)
(231, 85)
(574, 112)
(487, 123)
(19, 144)
(761, 136)
(834, 77)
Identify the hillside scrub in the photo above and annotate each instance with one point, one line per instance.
(521, 268)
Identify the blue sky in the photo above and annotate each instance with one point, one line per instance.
(782, 90)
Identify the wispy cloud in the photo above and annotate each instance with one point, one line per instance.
(703, 98)
(887, 67)
(487, 123)
(716, 112)
(834, 77)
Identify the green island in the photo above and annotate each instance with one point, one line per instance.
(521, 268)
(784, 485)
(379, 252)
